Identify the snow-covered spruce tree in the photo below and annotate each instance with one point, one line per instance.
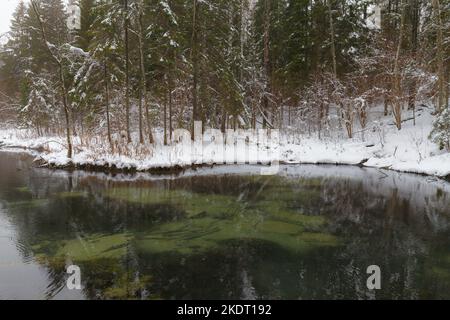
(441, 130)
(83, 36)
(163, 59)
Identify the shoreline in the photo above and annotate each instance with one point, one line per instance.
(178, 169)
(409, 150)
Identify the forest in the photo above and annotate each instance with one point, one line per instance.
(130, 72)
(225, 150)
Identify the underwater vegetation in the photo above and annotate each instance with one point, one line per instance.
(204, 223)
(245, 236)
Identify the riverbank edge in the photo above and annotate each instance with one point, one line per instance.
(40, 162)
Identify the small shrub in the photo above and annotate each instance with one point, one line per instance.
(441, 130)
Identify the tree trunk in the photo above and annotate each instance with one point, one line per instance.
(440, 56)
(143, 103)
(397, 108)
(415, 18)
(333, 47)
(170, 108)
(142, 87)
(127, 74)
(108, 121)
(195, 115)
(267, 68)
(447, 87)
(223, 120)
(165, 119)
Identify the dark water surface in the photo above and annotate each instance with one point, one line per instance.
(225, 233)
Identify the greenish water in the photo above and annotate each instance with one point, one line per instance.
(228, 233)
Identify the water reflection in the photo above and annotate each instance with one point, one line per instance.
(308, 233)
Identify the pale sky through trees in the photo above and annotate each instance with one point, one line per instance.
(6, 10)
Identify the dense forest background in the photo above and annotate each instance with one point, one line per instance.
(138, 66)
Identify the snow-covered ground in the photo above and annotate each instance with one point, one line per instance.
(383, 146)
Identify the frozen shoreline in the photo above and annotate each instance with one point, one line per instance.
(407, 150)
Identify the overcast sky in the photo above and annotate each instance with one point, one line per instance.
(6, 10)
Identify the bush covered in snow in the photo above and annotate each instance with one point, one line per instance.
(441, 130)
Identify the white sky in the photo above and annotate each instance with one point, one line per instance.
(7, 8)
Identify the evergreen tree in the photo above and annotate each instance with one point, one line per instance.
(16, 56)
(85, 33)
(441, 130)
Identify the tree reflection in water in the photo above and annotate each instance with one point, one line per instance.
(308, 233)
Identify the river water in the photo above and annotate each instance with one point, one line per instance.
(309, 232)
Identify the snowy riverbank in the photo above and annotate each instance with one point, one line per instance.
(407, 150)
